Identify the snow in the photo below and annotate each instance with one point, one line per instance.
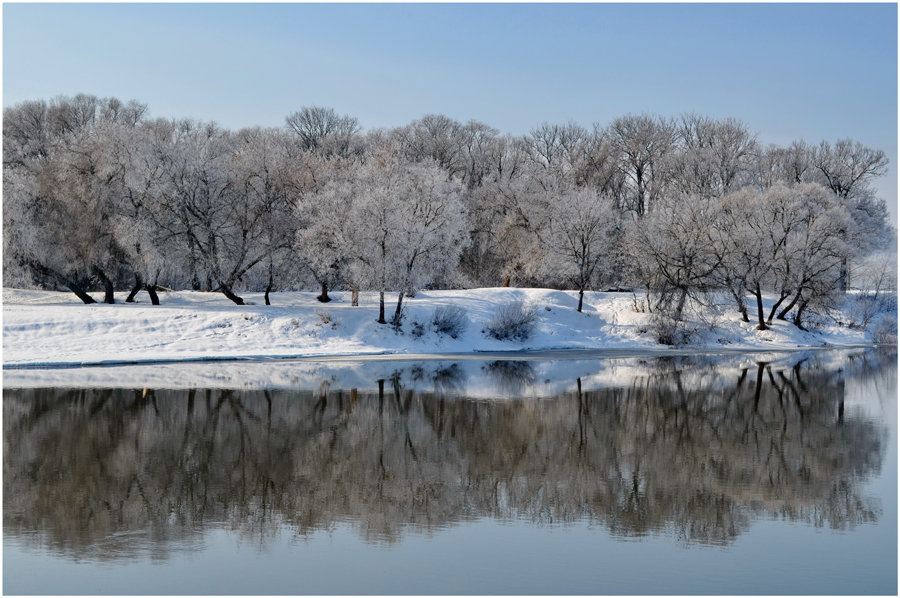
(54, 329)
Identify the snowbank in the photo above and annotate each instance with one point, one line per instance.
(53, 329)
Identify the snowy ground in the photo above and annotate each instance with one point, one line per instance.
(43, 328)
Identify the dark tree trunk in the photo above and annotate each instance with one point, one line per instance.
(80, 293)
(580, 303)
(354, 296)
(739, 301)
(138, 285)
(381, 307)
(682, 299)
(323, 297)
(775, 307)
(782, 315)
(844, 281)
(270, 284)
(641, 207)
(226, 290)
(195, 278)
(798, 319)
(398, 313)
(43, 270)
(109, 294)
(151, 290)
(759, 309)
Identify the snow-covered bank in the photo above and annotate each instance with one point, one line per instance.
(43, 328)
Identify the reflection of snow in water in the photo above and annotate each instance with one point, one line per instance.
(485, 376)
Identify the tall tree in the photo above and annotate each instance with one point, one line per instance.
(580, 236)
(324, 131)
(643, 144)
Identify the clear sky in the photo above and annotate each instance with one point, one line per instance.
(790, 71)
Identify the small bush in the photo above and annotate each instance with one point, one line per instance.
(450, 320)
(513, 321)
(672, 332)
(418, 329)
(325, 319)
(865, 307)
(885, 332)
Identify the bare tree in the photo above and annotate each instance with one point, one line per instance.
(643, 144)
(322, 130)
(715, 156)
(580, 236)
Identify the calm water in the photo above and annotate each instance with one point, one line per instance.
(752, 474)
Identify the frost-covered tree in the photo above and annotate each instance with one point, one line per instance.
(790, 165)
(438, 138)
(495, 224)
(848, 168)
(478, 146)
(432, 232)
(327, 238)
(818, 243)
(211, 207)
(62, 185)
(643, 145)
(387, 224)
(265, 172)
(672, 254)
(580, 236)
(715, 157)
(149, 250)
(410, 225)
(324, 131)
(788, 239)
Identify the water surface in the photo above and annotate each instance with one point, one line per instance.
(747, 474)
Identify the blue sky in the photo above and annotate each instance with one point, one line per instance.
(810, 71)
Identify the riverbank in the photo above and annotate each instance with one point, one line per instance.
(54, 329)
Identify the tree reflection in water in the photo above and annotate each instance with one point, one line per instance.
(680, 449)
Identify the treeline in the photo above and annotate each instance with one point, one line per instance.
(99, 196)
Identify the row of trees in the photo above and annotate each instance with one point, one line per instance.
(99, 195)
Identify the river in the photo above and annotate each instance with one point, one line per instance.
(701, 474)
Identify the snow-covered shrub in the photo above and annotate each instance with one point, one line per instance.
(513, 321)
(418, 330)
(326, 319)
(640, 305)
(885, 332)
(863, 307)
(449, 320)
(677, 333)
(876, 277)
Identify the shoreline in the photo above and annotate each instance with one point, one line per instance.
(515, 355)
